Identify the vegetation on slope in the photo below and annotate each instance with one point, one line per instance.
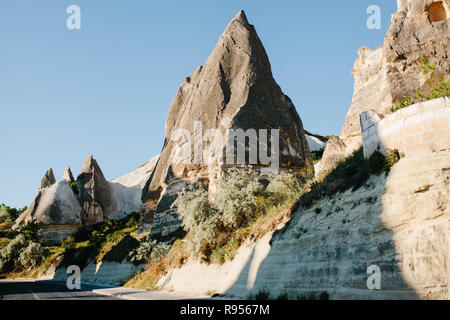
(436, 86)
(245, 210)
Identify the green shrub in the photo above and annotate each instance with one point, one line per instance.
(218, 256)
(240, 200)
(262, 295)
(200, 218)
(317, 155)
(10, 254)
(32, 255)
(284, 187)
(377, 162)
(282, 296)
(74, 187)
(148, 249)
(425, 66)
(436, 86)
(68, 243)
(237, 198)
(8, 214)
(30, 231)
(21, 253)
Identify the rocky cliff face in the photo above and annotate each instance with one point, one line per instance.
(400, 223)
(235, 89)
(96, 194)
(382, 76)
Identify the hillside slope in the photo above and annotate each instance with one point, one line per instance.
(400, 223)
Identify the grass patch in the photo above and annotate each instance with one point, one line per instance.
(154, 270)
(350, 173)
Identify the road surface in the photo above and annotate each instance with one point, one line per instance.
(24, 289)
(31, 289)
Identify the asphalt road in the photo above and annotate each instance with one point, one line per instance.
(22, 289)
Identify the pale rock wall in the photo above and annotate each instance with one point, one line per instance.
(400, 223)
(422, 127)
(384, 75)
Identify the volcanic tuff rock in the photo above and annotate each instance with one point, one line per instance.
(128, 188)
(96, 194)
(384, 75)
(235, 89)
(55, 205)
(48, 179)
(399, 222)
(68, 176)
(62, 208)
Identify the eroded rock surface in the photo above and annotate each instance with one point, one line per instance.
(235, 89)
(384, 75)
(48, 180)
(400, 223)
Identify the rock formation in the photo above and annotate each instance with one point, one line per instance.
(420, 28)
(62, 208)
(128, 188)
(48, 180)
(96, 195)
(235, 89)
(56, 209)
(399, 223)
(68, 176)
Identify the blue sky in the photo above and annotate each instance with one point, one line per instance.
(106, 89)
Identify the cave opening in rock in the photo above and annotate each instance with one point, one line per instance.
(437, 11)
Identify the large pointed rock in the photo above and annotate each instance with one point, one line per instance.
(235, 89)
(48, 180)
(68, 176)
(96, 194)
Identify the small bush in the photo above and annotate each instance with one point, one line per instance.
(317, 155)
(148, 249)
(200, 218)
(21, 253)
(262, 295)
(74, 187)
(282, 296)
(30, 231)
(32, 255)
(436, 86)
(68, 243)
(241, 200)
(8, 214)
(237, 198)
(377, 162)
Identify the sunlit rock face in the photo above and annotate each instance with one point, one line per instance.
(235, 89)
(420, 28)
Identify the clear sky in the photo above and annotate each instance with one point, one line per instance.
(105, 89)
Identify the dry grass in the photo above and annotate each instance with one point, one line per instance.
(149, 277)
